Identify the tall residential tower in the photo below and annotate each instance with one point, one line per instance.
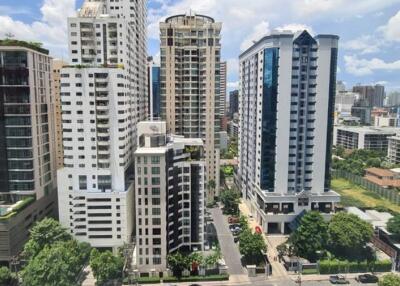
(287, 89)
(27, 156)
(103, 96)
(170, 195)
(190, 84)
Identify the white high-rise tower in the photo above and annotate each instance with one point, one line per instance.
(103, 96)
(286, 105)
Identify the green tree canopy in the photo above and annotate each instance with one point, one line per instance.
(57, 264)
(178, 262)
(45, 232)
(348, 235)
(252, 246)
(105, 266)
(389, 280)
(393, 225)
(230, 198)
(5, 276)
(311, 236)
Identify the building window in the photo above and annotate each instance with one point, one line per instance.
(155, 170)
(155, 159)
(82, 183)
(155, 191)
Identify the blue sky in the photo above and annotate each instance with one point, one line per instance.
(369, 30)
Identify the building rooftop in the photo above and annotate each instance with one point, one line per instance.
(369, 129)
(380, 172)
(29, 45)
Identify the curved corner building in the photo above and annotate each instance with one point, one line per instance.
(286, 105)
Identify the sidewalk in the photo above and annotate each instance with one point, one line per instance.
(278, 270)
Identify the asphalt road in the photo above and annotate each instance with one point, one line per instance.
(229, 249)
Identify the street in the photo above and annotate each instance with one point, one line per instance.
(229, 249)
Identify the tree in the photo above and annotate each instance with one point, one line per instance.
(58, 264)
(389, 280)
(230, 198)
(311, 236)
(243, 222)
(178, 262)
(252, 246)
(213, 258)
(5, 276)
(348, 235)
(282, 250)
(393, 225)
(45, 232)
(106, 266)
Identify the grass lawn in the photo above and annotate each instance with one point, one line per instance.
(356, 196)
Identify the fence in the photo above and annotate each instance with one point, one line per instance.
(390, 194)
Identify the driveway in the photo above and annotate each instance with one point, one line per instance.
(229, 249)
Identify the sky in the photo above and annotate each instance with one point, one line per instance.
(369, 30)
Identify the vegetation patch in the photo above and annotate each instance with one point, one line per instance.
(356, 196)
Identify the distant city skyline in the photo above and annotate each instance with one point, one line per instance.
(369, 30)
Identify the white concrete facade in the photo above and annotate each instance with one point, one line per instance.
(286, 104)
(104, 96)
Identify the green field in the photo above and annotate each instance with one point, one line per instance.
(356, 196)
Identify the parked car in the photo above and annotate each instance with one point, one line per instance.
(367, 278)
(233, 219)
(236, 231)
(338, 279)
(234, 226)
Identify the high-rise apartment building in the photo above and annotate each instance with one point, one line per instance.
(103, 96)
(222, 101)
(370, 95)
(169, 195)
(27, 160)
(190, 84)
(233, 103)
(287, 90)
(153, 83)
(56, 109)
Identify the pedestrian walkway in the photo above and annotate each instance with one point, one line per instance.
(278, 270)
(89, 279)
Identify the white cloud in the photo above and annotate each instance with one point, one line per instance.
(233, 85)
(51, 29)
(343, 8)
(365, 44)
(392, 29)
(294, 27)
(258, 32)
(360, 67)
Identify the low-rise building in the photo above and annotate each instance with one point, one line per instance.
(383, 177)
(370, 138)
(169, 195)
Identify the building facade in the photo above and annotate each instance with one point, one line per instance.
(154, 100)
(222, 109)
(286, 106)
(27, 164)
(394, 149)
(233, 102)
(169, 195)
(190, 83)
(102, 102)
(370, 138)
(371, 96)
(56, 109)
